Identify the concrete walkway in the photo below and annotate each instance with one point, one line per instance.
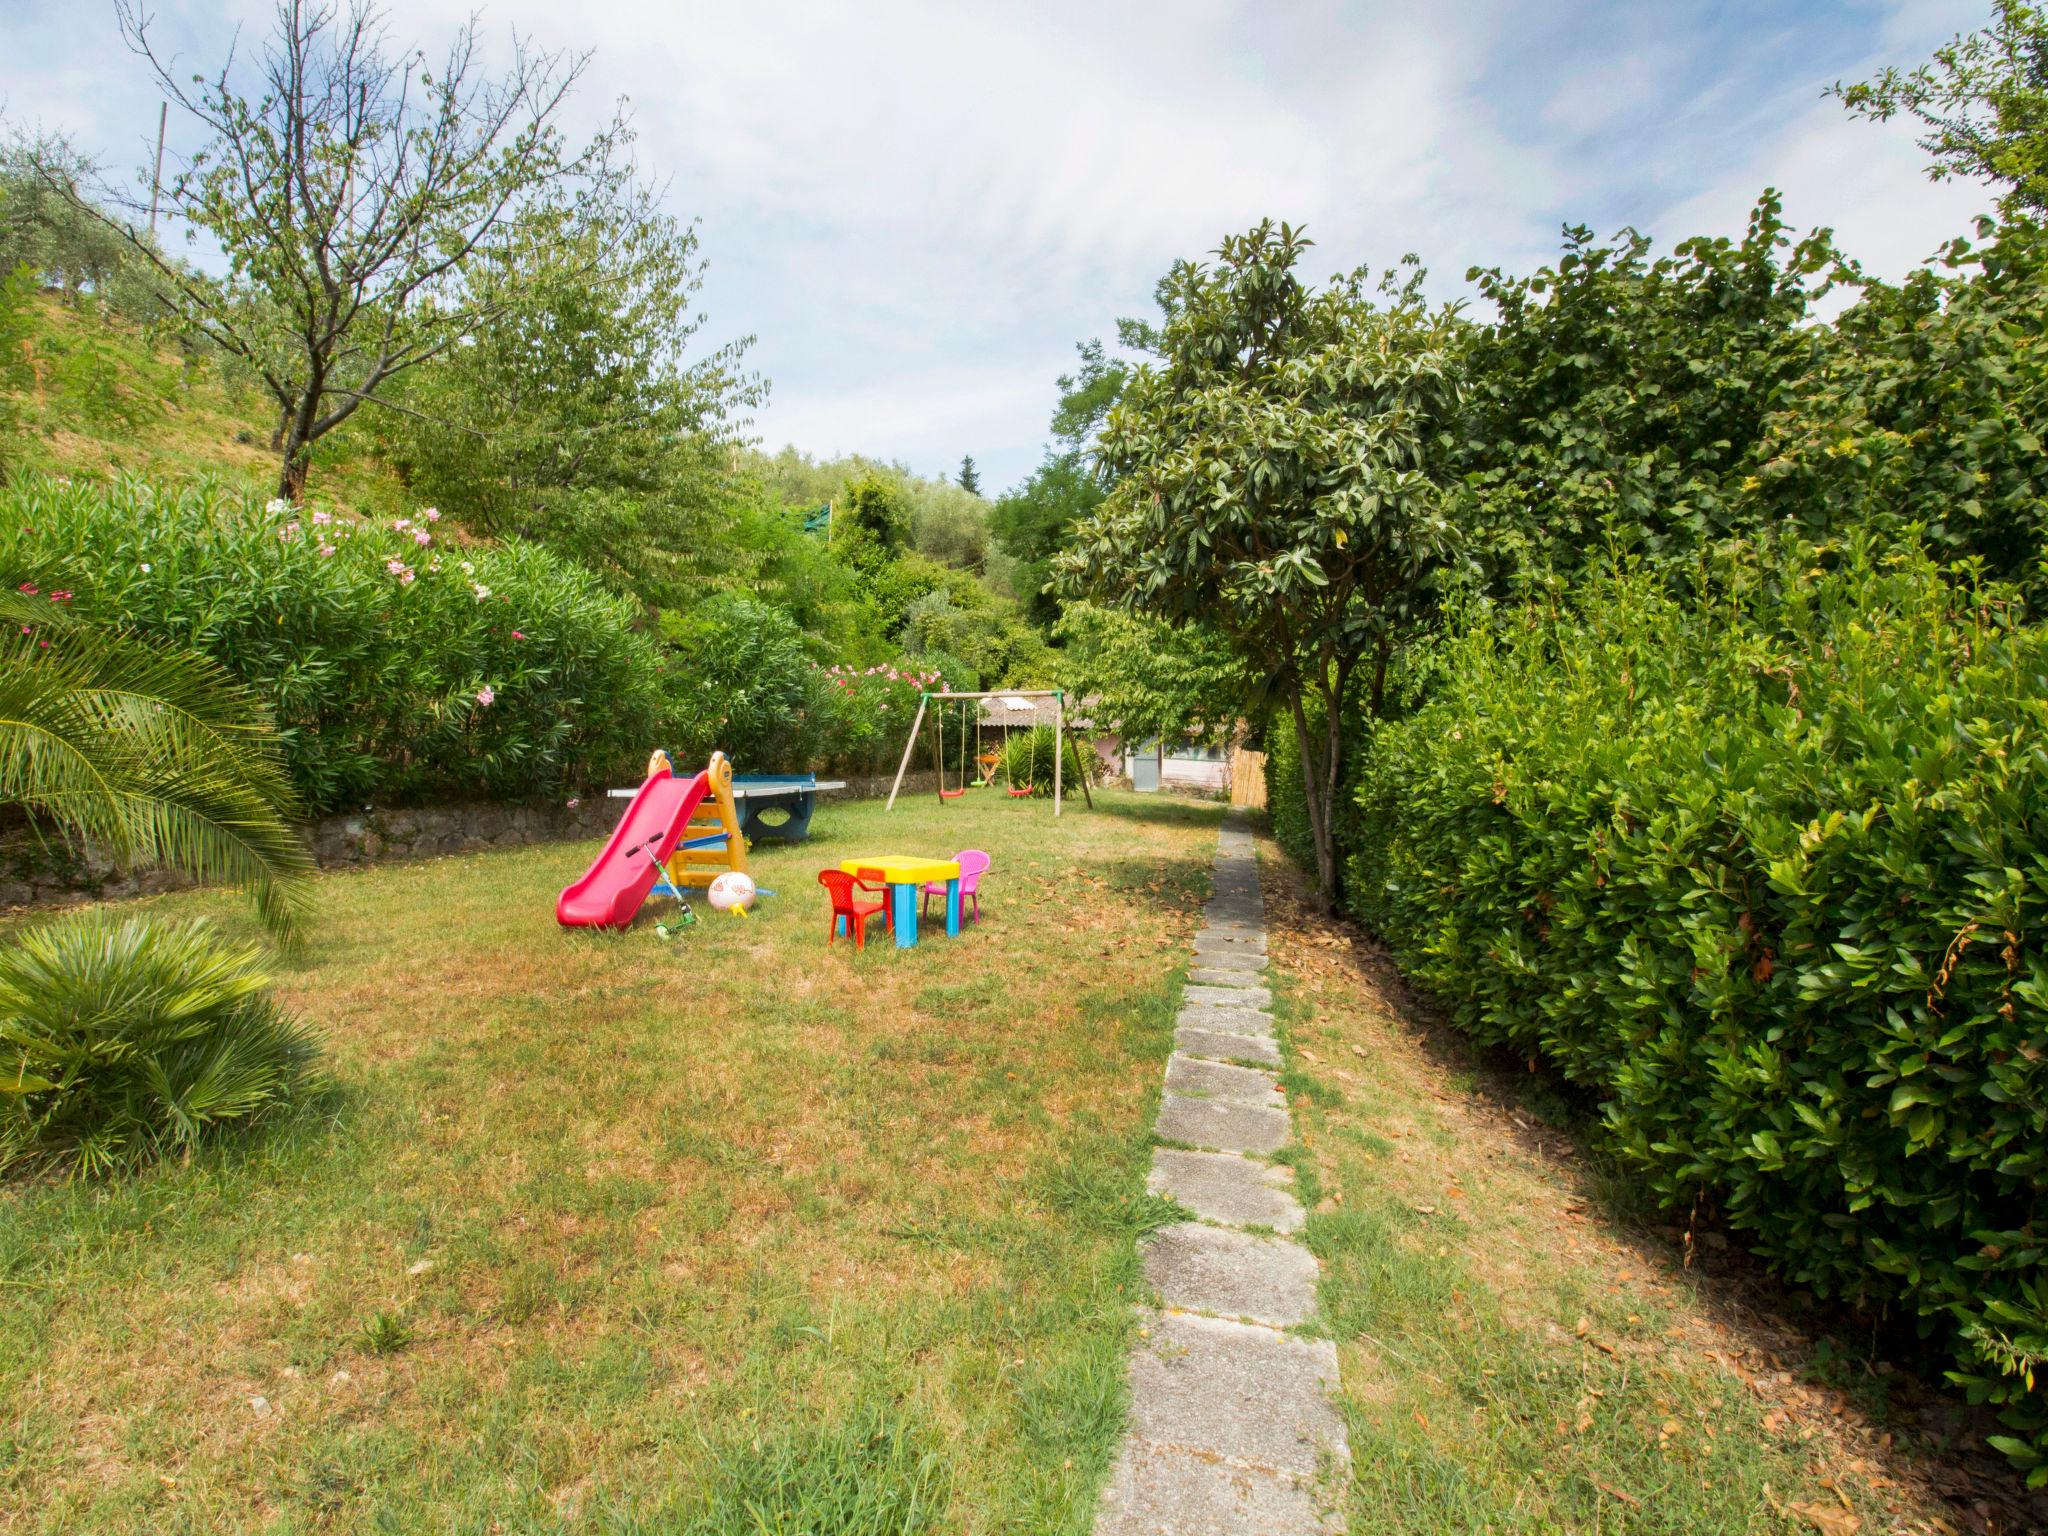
(1231, 1421)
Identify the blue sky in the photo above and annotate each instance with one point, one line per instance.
(918, 209)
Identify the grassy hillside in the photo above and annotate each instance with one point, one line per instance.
(102, 396)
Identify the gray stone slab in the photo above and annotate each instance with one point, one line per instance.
(1249, 940)
(1242, 1021)
(1222, 1186)
(1244, 909)
(1220, 1126)
(1161, 1490)
(1221, 1045)
(1194, 1268)
(1214, 1080)
(1228, 957)
(1204, 974)
(1234, 932)
(1228, 997)
(1247, 1394)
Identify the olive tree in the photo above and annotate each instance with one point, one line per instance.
(350, 189)
(1278, 475)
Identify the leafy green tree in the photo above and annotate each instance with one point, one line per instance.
(1983, 100)
(1621, 398)
(1143, 678)
(151, 753)
(576, 418)
(970, 477)
(1279, 477)
(44, 226)
(352, 192)
(874, 521)
(741, 682)
(1032, 522)
(1923, 413)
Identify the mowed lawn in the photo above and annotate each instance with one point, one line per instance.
(596, 1232)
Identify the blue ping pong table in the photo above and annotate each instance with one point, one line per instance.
(773, 807)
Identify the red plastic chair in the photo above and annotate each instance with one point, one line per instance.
(973, 865)
(841, 885)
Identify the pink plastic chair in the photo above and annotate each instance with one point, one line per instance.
(973, 865)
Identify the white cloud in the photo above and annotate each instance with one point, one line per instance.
(920, 208)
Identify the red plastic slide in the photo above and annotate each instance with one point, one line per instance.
(618, 882)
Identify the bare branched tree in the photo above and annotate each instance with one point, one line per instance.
(351, 191)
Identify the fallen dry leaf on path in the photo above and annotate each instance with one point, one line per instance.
(1827, 1519)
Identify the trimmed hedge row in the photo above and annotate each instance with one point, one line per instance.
(1763, 872)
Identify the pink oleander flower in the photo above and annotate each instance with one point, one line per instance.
(61, 597)
(30, 588)
(407, 579)
(44, 644)
(423, 537)
(323, 518)
(326, 550)
(518, 636)
(431, 515)
(486, 697)
(395, 567)
(573, 803)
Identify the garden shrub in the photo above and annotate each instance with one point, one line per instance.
(868, 713)
(1028, 757)
(123, 1042)
(741, 681)
(400, 665)
(1762, 872)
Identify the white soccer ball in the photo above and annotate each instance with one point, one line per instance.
(730, 891)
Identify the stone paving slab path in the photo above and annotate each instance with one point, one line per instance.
(1215, 1080)
(1242, 1021)
(1232, 1429)
(1222, 1045)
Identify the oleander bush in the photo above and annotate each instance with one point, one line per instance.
(399, 664)
(123, 1042)
(866, 714)
(1766, 873)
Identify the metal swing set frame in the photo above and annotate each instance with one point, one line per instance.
(1059, 725)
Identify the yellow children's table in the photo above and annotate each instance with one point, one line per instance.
(906, 875)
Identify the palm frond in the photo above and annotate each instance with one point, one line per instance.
(153, 753)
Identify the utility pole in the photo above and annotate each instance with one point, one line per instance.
(156, 177)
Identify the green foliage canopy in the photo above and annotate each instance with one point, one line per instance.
(1280, 477)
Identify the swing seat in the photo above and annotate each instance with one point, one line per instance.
(951, 794)
(1018, 794)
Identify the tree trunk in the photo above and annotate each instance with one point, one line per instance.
(292, 472)
(296, 461)
(1318, 793)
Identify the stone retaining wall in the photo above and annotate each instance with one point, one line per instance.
(35, 873)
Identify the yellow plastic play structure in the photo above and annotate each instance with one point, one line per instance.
(711, 841)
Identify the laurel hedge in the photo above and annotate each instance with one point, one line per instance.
(1761, 872)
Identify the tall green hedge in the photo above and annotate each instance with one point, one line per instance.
(1764, 873)
(400, 664)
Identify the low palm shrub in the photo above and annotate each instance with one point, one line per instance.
(1028, 758)
(1767, 873)
(122, 1042)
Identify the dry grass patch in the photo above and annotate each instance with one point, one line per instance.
(604, 1233)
